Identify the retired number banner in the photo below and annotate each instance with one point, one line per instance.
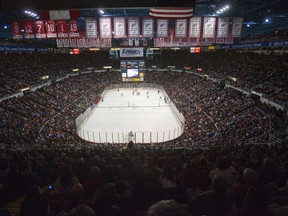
(195, 27)
(133, 27)
(209, 27)
(147, 27)
(237, 27)
(119, 27)
(28, 29)
(91, 27)
(162, 28)
(16, 31)
(181, 28)
(62, 29)
(73, 29)
(51, 29)
(105, 27)
(39, 29)
(223, 26)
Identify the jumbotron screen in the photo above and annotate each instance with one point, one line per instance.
(132, 70)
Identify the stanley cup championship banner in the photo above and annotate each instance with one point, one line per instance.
(181, 28)
(162, 28)
(209, 27)
(237, 27)
(105, 27)
(119, 27)
(147, 27)
(133, 27)
(91, 27)
(195, 27)
(223, 27)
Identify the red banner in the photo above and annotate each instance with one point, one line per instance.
(16, 30)
(28, 29)
(62, 29)
(39, 29)
(73, 29)
(51, 29)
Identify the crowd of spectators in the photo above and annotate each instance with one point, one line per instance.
(214, 175)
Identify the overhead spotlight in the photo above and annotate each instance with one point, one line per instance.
(26, 11)
(221, 10)
(101, 11)
(5, 27)
(29, 12)
(22, 30)
(227, 7)
(224, 9)
(248, 25)
(218, 12)
(266, 20)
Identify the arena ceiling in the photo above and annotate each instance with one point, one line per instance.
(255, 12)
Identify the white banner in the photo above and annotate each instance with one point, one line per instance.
(237, 27)
(73, 42)
(209, 27)
(162, 28)
(59, 42)
(105, 27)
(131, 52)
(133, 27)
(195, 27)
(147, 27)
(223, 27)
(80, 42)
(91, 28)
(66, 42)
(181, 28)
(119, 27)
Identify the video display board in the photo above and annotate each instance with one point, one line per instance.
(132, 70)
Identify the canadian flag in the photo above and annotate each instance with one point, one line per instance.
(60, 14)
(171, 13)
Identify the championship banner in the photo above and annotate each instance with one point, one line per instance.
(28, 29)
(51, 29)
(94, 42)
(91, 27)
(39, 29)
(131, 52)
(195, 27)
(220, 40)
(105, 27)
(73, 29)
(66, 42)
(62, 29)
(133, 27)
(209, 27)
(73, 42)
(147, 27)
(223, 27)
(59, 42)
(237, 27)
(16, 30)
(162, 28)
(119, 27)
(87, 43)
(181, 28)
(80, 42)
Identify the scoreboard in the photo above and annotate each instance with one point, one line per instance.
(132, 70)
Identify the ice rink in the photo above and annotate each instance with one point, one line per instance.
(143, 112)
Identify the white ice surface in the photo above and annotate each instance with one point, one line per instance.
(146, 115)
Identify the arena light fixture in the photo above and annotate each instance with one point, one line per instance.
(5, 27)
(266, 20)
(101, 11)
(30, 13)
(248, 25)
(223, 9)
